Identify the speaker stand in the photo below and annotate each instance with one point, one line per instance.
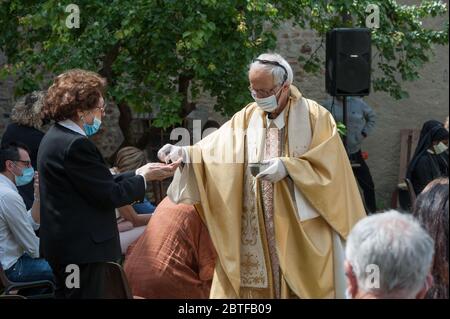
(344, 117)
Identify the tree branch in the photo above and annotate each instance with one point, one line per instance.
(108, 61)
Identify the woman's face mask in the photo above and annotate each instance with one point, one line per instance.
(440, 148)
(97, 113)
(93, 128)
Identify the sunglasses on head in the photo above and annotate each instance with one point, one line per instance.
(274, 63)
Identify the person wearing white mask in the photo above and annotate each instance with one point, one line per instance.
(276, 191)
(430, 159)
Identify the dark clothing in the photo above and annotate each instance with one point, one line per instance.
(94, 282)
(31, 137)
(78, 221)
(365, 181)
(425, 166)
(429, 167)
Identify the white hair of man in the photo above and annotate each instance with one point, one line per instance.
(277, 72)
(398, 246)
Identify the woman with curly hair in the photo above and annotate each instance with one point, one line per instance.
(78, 221)
(431, 208)
(27, 120)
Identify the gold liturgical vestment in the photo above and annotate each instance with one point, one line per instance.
(294, 247)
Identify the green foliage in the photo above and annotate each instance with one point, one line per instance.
(402, 45)
(342, 129)
(159, 54)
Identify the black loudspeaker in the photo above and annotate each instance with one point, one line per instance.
(348, 62)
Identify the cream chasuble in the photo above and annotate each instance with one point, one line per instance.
(274, 240)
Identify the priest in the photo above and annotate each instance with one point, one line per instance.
(276, 191)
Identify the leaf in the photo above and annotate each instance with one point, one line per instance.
(211, 41)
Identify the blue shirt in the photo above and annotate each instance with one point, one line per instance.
(144, 208)
(360, 120)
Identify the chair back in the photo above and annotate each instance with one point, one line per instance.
(116, 283)
(411, 192)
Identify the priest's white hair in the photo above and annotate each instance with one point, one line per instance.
(398, 247)
(277, 71)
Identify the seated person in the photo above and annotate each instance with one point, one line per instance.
(430, 160)
(131, 224)
(431, 209)
(174, 258)
(26, 127)
(388, 256)
(19, 245)
(129, 158)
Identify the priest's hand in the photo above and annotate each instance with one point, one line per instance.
(275, 170)
(172, 153)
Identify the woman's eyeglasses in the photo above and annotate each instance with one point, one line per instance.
(103, 107)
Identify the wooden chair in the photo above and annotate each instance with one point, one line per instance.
(11, 288)
(411, 192)
(408, 143)
(116, 287)
(160, 190)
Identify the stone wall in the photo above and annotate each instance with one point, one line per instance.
(6, 97)
(429, 99)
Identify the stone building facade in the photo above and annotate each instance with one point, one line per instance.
(429, 99)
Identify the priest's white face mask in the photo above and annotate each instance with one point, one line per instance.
(267, 104)
(262, 85)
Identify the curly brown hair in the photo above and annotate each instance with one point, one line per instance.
(72, 91)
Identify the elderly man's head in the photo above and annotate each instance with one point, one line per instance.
(388, 255)
(270, 77)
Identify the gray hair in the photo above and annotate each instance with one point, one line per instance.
(398, 246)
(276, 71)
(27, 110)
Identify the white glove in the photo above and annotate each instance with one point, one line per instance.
(172, 153)
(275, 171)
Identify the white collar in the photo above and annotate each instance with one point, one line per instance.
(7, 182)
(71, 125)
(279, 120)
